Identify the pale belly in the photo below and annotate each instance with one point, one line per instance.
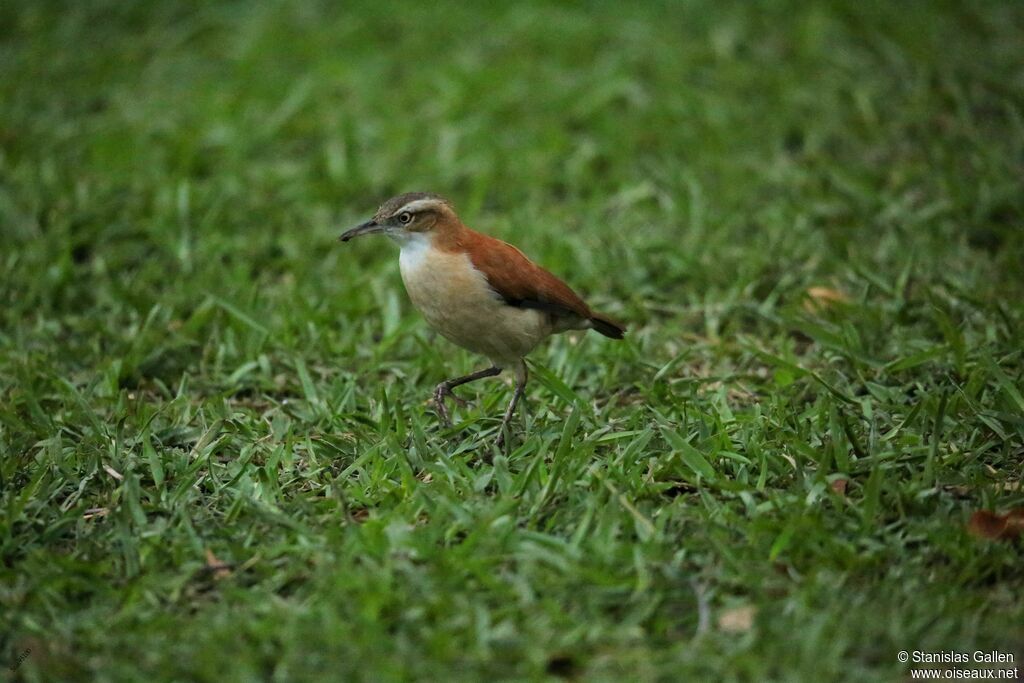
(456, 300)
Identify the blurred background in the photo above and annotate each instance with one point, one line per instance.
(809, 214)
(698, 150)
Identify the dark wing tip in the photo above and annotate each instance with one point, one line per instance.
(608, 327)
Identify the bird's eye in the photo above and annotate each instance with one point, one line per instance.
(405, 218)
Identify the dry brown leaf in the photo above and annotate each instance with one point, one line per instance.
(962, 491)
(988, 524)
(958, 490)
(818, 299)
(218, 569)
(737, 619)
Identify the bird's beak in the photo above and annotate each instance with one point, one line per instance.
(368, 228)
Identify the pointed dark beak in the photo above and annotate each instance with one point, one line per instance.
(367, 228)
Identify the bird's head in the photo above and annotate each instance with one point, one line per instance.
(403, 217)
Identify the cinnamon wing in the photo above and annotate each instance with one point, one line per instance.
(520, 281)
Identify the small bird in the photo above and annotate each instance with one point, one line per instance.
(478, 292)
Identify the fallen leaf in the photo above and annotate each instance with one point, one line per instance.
(961, 491)
(737, 619)
(988, 524)
(839, 486)
(818, 299)
(216, 567)
(958, 490)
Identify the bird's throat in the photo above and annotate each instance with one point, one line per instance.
(416, 247)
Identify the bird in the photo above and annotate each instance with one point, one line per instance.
(479, 292)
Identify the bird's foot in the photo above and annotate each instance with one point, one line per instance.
(441, 392)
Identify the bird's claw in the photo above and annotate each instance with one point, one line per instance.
(442, 392)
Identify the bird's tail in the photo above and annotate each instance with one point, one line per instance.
(607, 326)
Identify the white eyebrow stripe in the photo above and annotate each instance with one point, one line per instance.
(419, 205)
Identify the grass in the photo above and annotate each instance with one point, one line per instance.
(194, 373)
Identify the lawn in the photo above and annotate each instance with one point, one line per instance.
(217, 458)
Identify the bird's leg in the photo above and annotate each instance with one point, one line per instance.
(444, 390)
(521, 377)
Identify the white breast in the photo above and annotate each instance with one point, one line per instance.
(458, 302)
